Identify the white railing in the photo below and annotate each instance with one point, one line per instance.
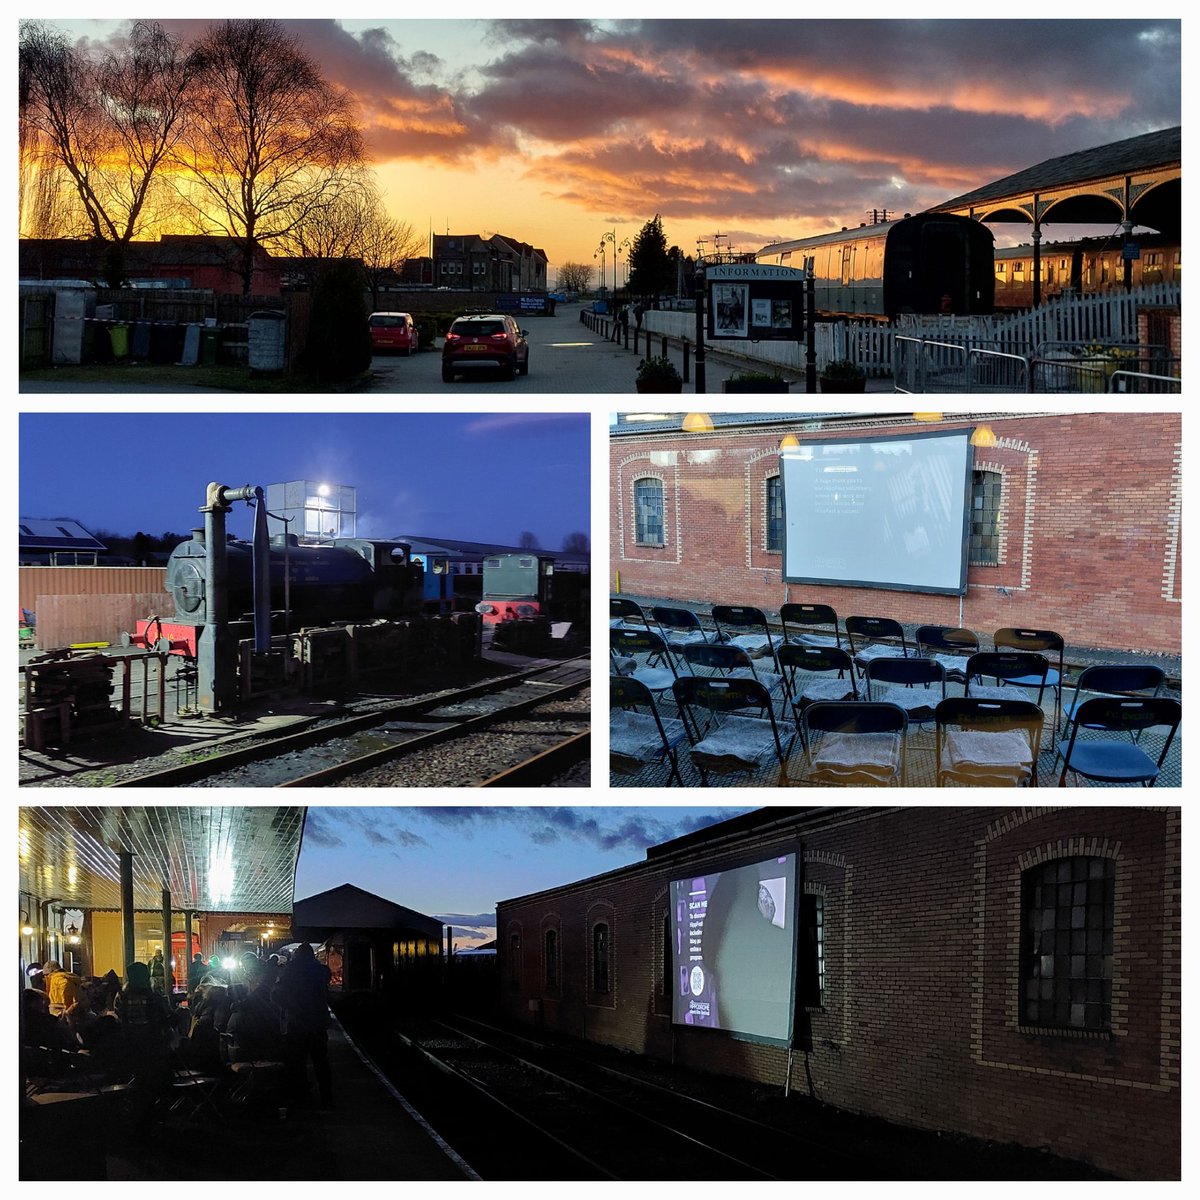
(1110, 319)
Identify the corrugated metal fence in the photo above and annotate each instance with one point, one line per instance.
(91, 604)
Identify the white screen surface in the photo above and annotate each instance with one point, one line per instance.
(734, 949)
(879, 512)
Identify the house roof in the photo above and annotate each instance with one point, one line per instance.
(55, 533)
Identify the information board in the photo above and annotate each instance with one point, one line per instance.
(755, 302)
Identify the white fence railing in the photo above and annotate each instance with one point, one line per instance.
(1110, 319)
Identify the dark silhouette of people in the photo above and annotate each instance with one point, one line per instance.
(302, 995)
(146, 1035)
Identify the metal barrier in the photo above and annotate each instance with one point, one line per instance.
(1127, 375)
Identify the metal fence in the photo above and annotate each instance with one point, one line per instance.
(922, 365)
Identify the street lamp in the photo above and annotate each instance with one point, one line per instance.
(611, 236)
(600, 255)
(626, 244)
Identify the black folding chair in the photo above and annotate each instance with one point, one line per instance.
(825, 673)
(950, 646)
(860, 744)
(987, 743)
(810, 625)
(637, 739)
(916, 685)
(725, 740)
(875, 637)
(1038, 641)
(757, 641)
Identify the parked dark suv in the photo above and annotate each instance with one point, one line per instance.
(485, 340)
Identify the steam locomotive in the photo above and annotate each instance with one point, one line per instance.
(928, 263)
(345, 580)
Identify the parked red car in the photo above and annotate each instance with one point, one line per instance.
(393, 332)
(485, 340)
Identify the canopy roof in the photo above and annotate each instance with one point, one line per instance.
(232, 859)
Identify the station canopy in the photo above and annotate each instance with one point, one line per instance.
(235, 859)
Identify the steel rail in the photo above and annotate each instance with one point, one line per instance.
(451, 732)
(265, 746)
(536, 770)
(607, 1101)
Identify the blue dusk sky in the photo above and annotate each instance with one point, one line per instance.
(471, 476)
(456, 863)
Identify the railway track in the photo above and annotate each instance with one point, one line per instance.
(577, 1119)
(356, 749)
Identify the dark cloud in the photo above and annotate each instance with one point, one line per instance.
(767, 122)
(381, 827)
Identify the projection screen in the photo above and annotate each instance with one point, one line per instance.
(733, 945)
(886, 512)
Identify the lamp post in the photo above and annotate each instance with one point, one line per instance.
(611, 236)
(600, 255)
(627, 245)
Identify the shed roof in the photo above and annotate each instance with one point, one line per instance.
(350, 907)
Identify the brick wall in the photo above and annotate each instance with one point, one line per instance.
(918, 1021)
(1090, 527)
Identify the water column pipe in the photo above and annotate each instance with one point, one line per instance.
(216, 653)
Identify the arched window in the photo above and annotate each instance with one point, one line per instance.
(601, 974)
(648, 512)
(985, 517)
(774, 513)
(551, 958)
(1067, 944)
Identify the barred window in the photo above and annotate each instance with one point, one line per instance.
(1067, 958)
(985, 517)
(774, 513)
(812, 950)
(648, 509)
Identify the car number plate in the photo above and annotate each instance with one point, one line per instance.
(476, 348)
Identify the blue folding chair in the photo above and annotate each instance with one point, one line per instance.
(1108, 760)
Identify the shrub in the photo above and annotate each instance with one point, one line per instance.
(339, 342)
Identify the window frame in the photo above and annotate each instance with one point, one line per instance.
(1082, 942)
(641, 532)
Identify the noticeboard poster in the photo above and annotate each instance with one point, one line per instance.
(755, 302)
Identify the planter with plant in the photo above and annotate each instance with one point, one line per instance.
(842, 375)
(754, 382)
(658, 375)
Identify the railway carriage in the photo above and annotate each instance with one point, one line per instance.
(929, 263)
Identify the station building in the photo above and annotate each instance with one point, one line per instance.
(1075, 520)
(1011, 974)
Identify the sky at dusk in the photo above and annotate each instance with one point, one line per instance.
(455, 863)
(470, 476)
(556, 131)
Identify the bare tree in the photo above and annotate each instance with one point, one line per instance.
(270, 143)
(528, 541)
(387, 244)
(576, 543)
(575, 277)
(106, 124)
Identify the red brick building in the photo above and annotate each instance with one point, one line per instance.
(1076, 522)
(934, 1000)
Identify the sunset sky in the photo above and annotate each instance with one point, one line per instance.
(553, 131)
